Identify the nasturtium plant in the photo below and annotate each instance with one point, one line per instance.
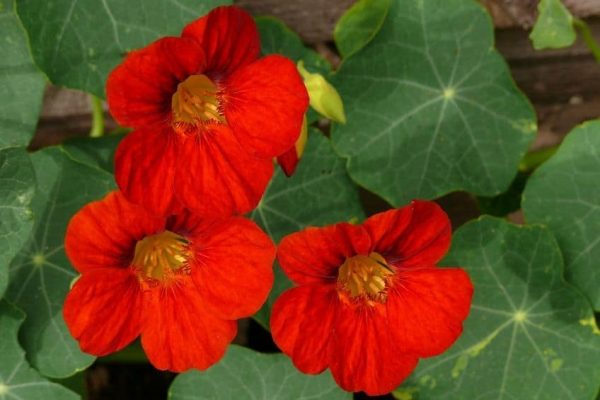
(246, 374)
(17, 379)
(564, 195)
(431, 106)
(77, 43)
(526, 323)
(419, 105)
(554, 26)
(41, 275)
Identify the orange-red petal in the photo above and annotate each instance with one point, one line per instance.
(288, 161)
(426, 308)
(416, 235)
(264, 104)
(139, 90)
(229, 38)
(103, 233)
(216, 176)
(103, 310)
(314, 254)
(364, 355)
(145, 168)
(302, 323)
(180, 333)
(234, 268)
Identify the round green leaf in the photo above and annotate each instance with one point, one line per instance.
(564, 194)
(246, 374)
(78, 42)
(554, 26)
(319, 193)
(17, 186)
(41, 274)
(431, 106)
(529, 334)
(18, 380)
(21, 83)
(357, 27)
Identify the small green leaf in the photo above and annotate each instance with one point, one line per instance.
(41, 274)
(554, 26)
(564, 194)
(78, 42)
(319, 193)
(17, 186)
(21, 83)
(431, 106)
(17, 379)
(359, 25)
(529, 334)
(246, 374)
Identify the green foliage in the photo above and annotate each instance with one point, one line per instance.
(319, 193)
(17, 379)
(359, 24)
(78, 42)
(21, 84)
(17, 186)
(40, 275)
(245, 374)
(431, 106)
(529, 334)
(554, 26)
(564, 194)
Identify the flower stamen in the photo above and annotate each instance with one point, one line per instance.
(161, 257)
(365, 277)
(196, 102)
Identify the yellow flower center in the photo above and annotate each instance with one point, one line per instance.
(365, 276)
(160, 258)
(196, 101)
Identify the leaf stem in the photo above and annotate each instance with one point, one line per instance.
(588, 38)
(97, 117)
(534, 159)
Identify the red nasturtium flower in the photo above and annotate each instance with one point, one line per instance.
(180, 281)
(208, 115)
(370, 300)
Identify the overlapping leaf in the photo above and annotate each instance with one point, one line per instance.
(17, 379)
(359, 25)
(245, 374)
(530, 335)
(78, 42)
(21, 83)
(319, 193)
(564, 194)
(41, 273)
(431, 106)
(17, 185)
